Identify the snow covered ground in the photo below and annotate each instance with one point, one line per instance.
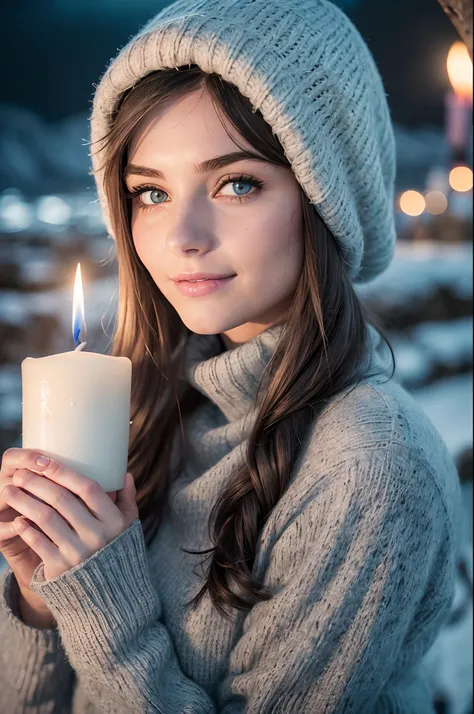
(448, 404)
(420, 350)
(419, 268)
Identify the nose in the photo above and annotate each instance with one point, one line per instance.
(190, 230)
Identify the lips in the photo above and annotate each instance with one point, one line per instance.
(193, 277)
(203, 280)
(203, 287)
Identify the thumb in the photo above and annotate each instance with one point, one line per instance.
(126, 499)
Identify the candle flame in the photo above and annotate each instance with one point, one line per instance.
(78, 317)
(459, 66)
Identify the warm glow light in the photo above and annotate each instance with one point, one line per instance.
(412, 203)
(460, 178)
(78, 317)
(459, 68)
(436, 202)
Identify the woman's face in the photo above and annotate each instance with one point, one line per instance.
(211, 221)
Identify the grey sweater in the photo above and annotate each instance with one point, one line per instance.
(359, 554)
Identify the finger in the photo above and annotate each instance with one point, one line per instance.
(38, 542)
(126, 499)
(15, 458)
(48, 520)
(7, 531)
(71, 508)
(12, 459)
(89, 491)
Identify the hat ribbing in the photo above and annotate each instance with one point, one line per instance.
(305, 66)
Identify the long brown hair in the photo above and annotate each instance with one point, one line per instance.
(319, 353)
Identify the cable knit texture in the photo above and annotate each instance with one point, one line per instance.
(305, 66)
(359, 554)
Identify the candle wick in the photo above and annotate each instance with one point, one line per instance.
(80, 347)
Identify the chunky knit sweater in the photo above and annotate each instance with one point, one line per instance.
(358, 553)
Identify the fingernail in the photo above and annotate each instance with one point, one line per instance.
(42, 461)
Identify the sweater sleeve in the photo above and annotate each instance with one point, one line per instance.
(35, 676)
(109, 617)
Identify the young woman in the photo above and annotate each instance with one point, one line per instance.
(290, 546)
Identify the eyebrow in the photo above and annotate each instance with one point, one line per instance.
(210, 165)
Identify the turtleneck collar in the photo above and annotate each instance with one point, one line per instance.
(229, 378)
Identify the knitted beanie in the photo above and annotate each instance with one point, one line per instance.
(305, 66)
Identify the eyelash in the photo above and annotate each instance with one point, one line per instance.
(257, 183)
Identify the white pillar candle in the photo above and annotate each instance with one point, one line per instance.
(76, 409)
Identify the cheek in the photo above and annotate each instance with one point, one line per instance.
(141, 230)
(273, 244)
(135, 228)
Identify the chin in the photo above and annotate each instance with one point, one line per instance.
(209, 324)
(205, 326)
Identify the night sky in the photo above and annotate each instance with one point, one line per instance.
(52, 51)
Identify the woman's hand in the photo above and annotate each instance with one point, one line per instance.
(74, 516)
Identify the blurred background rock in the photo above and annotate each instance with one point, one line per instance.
(50, 221)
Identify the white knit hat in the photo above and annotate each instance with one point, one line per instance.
(305, 66)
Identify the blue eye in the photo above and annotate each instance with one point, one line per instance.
(241, 183)
(152, 197)
(141, 191)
